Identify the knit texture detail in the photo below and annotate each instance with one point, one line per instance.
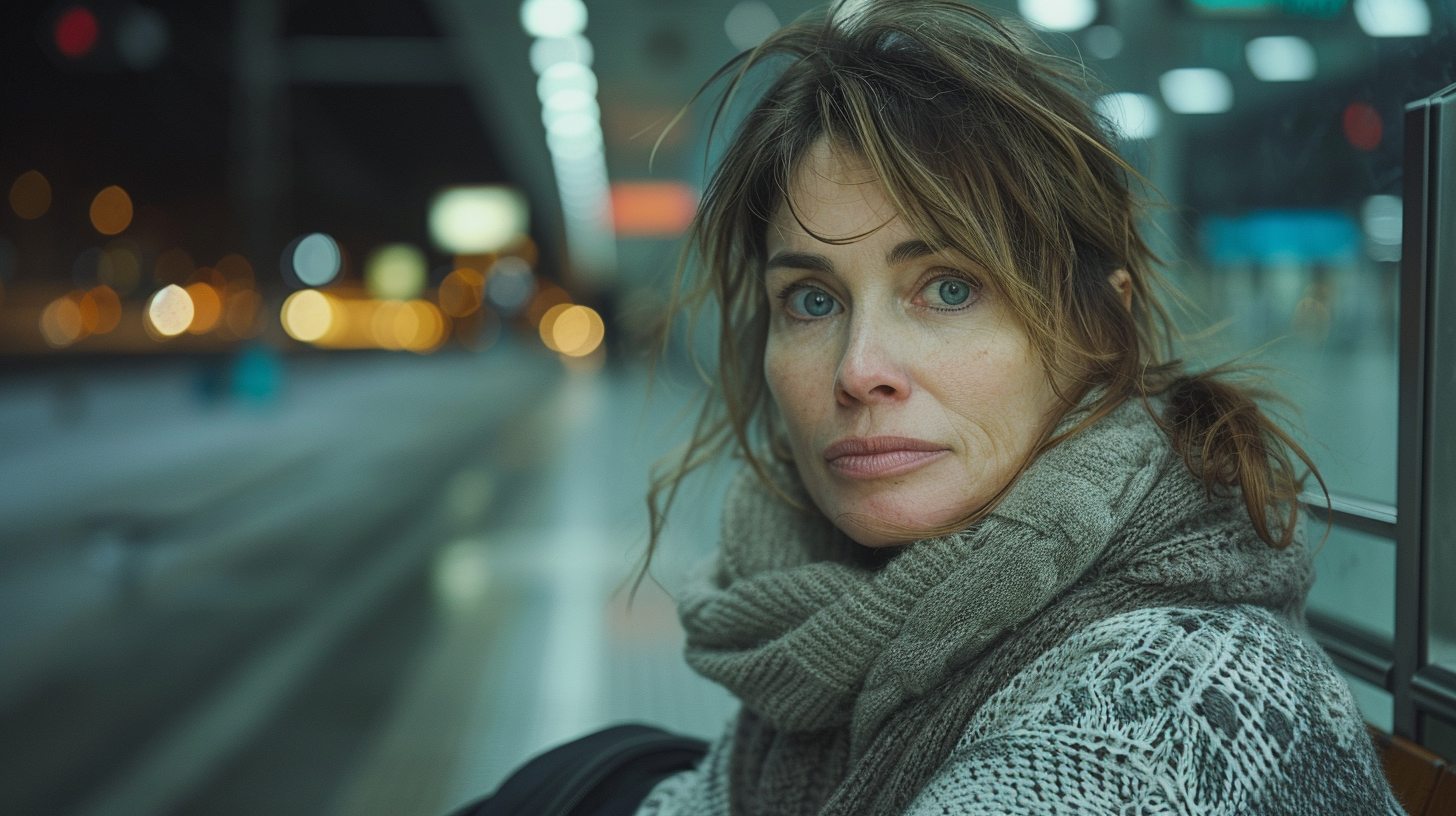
(1165, 710)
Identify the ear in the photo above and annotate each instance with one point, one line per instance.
(1122, 282)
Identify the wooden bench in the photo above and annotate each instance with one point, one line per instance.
(1424, 784)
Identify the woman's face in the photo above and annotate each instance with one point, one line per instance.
(909, 393)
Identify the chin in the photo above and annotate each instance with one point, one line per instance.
(891, 517)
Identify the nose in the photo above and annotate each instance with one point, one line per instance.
(870, 372)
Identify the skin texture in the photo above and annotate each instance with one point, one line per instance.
(865, 344)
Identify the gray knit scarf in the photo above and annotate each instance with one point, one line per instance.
(859, 670)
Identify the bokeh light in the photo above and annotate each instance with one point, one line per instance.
(548, 51)
(241, 313)
(101, 310)
(141, 37)
(170, 311)
(1280, 59)
(1058, 15)
(308, 315)
(61, 323)
(314, 259)
(395, 272)
(485, 218)
(1393, 18)
(206, 307)
(510, 285)
(553, 18)
(1362, 125)
(1196, 90)
(120, 266)
(572, 330)
(1132, 115)
(750, 23)
(652, 208)
(30, 195)
(1103, 42)
(76, 32)
(236, 269)
(547, 325)
(461, 292)
(111, 211)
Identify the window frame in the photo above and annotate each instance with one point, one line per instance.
(1418, 688)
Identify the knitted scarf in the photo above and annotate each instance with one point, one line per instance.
(858, 670)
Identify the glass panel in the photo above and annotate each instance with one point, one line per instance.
(1354, 579)
(1376, 704)
(1441, 423)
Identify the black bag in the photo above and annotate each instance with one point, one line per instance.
(607, 773)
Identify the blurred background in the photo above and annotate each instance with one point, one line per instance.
(325, 418)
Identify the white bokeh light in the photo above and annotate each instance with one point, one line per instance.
(1132, 115)
(316, 259)
(549, 51)
(1280, 59)
(1196, 90)
(553, 18)
(1393, 18)
(750, 23)
(1058, 15)
(477, 219)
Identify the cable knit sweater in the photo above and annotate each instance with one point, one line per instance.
(1111, 639)
(1159, 710)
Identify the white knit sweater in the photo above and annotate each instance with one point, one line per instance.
(1165, 710)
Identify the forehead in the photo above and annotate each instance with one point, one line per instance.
(834, 193)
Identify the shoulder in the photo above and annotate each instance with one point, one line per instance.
(1226, 710)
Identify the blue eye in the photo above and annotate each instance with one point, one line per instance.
(811, 302)
(949, 292)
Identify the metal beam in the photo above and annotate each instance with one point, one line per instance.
(1371, 517)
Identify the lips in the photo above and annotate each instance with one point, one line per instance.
(876, 457)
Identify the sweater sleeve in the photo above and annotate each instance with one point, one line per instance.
(1187, 711)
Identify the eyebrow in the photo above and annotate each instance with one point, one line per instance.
(902, 252)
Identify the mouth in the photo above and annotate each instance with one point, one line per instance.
(876, 457)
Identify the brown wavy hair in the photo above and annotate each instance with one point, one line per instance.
(986, 145)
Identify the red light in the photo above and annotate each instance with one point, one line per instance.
(652, 208)
(76, 32)
(1362, 126)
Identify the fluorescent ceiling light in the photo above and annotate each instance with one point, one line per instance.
(566, 76)
(1280, 59)
(1058, 15)
(1196, 90)
(1132, 115)
(553, 18)
(1393, 18)
(548, 51)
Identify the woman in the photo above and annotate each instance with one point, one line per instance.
(991, 551)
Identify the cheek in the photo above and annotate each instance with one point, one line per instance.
(801, 384)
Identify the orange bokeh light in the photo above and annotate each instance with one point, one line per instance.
(111, 211)
(652, 208)
(461, 291)
(206, 307)
(241, 312)
(63, 323)
(101, 309)
(30, 195)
